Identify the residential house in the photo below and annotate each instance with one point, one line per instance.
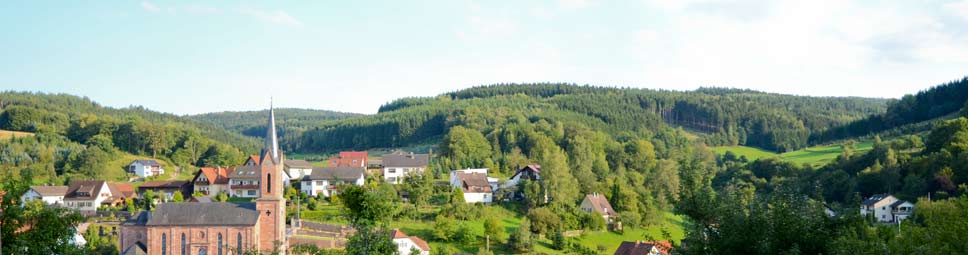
(211, 181)
(244, 181)
(297, 169)
(87, 195)
(598, 203)
(167, 189)
(406, 244)
(474, 183)
(644, 248)
(120, 192)
(528, 172)
(145, 168)
(253, 160)
(326, 180)
(52, 195)
(396, 166)
(349, 159)
(886, 208)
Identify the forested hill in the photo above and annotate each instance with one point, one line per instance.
(77, 137)
(942, 100)
(290, 122)
(719, 116)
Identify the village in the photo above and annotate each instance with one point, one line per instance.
(220, 207)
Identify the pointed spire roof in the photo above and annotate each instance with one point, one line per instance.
(271, 146)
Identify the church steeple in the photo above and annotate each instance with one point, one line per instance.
(271, 147)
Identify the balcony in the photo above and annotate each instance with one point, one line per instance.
(247, 186)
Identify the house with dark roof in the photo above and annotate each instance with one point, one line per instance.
(474, 183)
(167, 188)
(398, 165)
(644, 248)
(145, 168)
(297, 169)
(326, 180)
(244, 181)
(217, 227)
(211, 180)
(886, 208)
(87, 195)
(407, 244)
(52, 195)
(598, 203)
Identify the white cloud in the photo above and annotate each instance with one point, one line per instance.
(196, 9)
(277, 17)
(959, 8)
(150, 7)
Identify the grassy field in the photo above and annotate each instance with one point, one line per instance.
(817, 155)
(511, 220)
(7, 134)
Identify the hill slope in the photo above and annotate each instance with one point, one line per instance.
(290, 121)
(720, 116)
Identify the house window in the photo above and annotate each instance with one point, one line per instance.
(183, 251)
(392, 170)
(220, 244)
(164, 244)
(251, 192)
(319, 183)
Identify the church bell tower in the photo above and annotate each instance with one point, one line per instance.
(271, 203)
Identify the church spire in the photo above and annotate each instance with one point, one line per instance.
(271, 146)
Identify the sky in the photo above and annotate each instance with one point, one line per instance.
(189, 57)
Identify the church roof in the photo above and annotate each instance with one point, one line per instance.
(204, 214)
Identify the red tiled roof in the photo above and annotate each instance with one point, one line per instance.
(256, 158)
(215, 175)
(349, 158)
(397, 234)
(474, 182)
(121, 189)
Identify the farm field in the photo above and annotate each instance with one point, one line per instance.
(817, 155)
(7, 134)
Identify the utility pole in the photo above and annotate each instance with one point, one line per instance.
(487, 246)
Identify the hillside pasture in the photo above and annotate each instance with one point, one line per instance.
(816, 156)
(7, 134)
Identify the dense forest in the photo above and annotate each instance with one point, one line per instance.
(942, 100)
(720, 116)
(75, 137)
(290, 122)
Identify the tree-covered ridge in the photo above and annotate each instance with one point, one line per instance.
(290, 122)
(936, 102)
(722, 116)
(75, 137)
(56, 113)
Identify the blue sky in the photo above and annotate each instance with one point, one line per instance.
(189, 57)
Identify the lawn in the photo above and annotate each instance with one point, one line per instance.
(817, 155)
(7, 134)
(511, 220)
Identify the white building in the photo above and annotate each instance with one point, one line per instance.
(326, 180)
(52, 195)
(145, 168)
(297, 169)
(396, 166)
(406, 244)
(87, 196)
(474, 183)
(886, 208)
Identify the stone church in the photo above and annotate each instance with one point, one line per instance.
(217, 228)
